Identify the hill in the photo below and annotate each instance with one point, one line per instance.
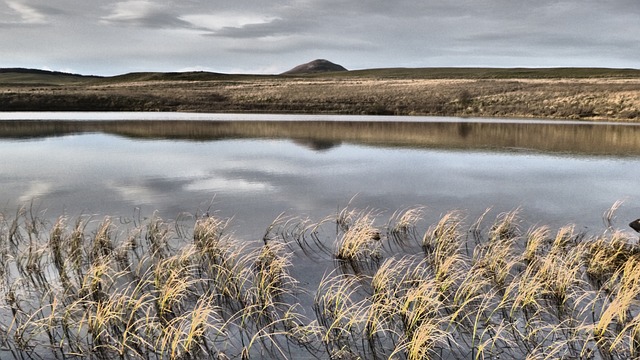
(495, 73)
(36, 72)
(315, 67)
(23, 76)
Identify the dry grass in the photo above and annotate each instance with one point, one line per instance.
(99, 289)
(360, 242)
(562, 97)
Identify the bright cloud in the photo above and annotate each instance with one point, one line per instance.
(225, 20)
(132, 10)
(29, 14)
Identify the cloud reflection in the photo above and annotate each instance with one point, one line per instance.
(254, 180)
(220, 184)
(134, 193)
(36, 190)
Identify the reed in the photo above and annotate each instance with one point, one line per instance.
(402, 226)
(359, 245)
(442, 245)
(188, 289)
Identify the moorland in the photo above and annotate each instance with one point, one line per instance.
(562, 93)
(397, 287)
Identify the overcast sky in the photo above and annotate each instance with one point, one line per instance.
(110, 37)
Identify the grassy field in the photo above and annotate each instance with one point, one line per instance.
(350, 286)
(562, 93)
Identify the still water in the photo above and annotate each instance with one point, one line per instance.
(255, 167)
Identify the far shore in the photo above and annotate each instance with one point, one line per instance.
(606, 97)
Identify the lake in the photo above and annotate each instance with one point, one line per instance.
(255, 167)
(156, 288)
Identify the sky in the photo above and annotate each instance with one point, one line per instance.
(110, 37)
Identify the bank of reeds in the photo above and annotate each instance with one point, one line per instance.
(400, 289)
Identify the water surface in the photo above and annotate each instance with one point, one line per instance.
(253, 168)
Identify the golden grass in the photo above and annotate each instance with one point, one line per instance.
(567, 97)
(97, 289)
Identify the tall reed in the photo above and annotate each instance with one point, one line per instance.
(189, 289)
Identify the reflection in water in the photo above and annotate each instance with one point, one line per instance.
(254, 171)
(464, 129)
(318, 145)
(586, 138)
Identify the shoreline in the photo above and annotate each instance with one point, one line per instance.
(196, 116)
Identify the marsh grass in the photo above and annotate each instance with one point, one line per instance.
(538, 93)
(188, 289)
(359, 245)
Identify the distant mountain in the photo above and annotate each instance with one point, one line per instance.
(35, 72)
(23, 76)
(314, 67)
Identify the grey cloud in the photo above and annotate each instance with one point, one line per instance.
(48, 10)
(276, 27)
(144, 13)
(156, 20)
(398, 8)
(542, 39)
(19, 24)
(300, 43)
(367, 33)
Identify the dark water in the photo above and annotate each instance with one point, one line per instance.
(254, 170)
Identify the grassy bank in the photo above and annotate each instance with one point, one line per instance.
(606, 94)
(392, 288)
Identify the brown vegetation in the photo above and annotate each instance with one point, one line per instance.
(187, 289)
(347, 93)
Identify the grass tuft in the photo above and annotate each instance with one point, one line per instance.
(188, 289)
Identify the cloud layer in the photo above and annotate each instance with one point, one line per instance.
(256, 36)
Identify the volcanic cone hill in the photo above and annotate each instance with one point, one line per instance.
(314, 67)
